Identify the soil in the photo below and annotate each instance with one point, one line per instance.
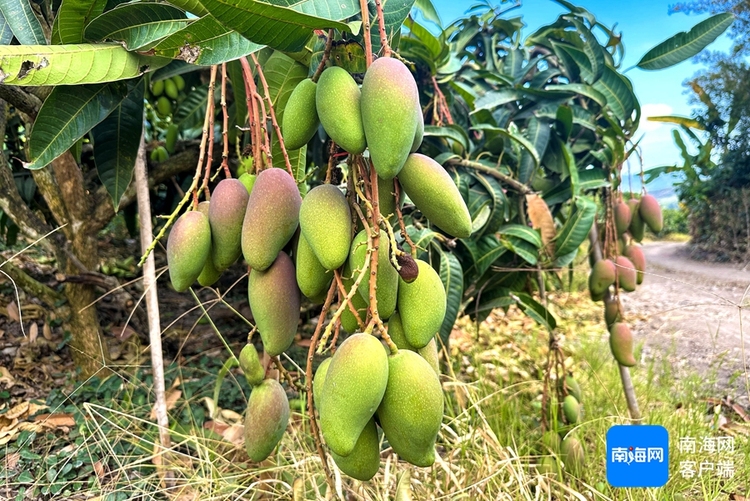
(695, 314)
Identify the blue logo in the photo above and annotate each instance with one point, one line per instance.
(637, 456)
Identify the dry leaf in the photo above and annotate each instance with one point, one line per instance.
(171, 397)
(6, 377)
(11, 460)
(47, 332)
(210, 406)
(13, 312)
(541, 219)
(7, 435)
(235, 435)
(216, 426)
(33, 333)
(24, 410)
(229, 416)
(123, 332)
(99, 469)
(57, 420)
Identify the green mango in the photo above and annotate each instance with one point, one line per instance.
(390, 99)
(274, 300)
(412, 408)
(266, 419)
(571, 409)
(433, 192)
(428, 352)
(627, 275)
(387, 200)
(602, 275)
(209, 275)
(179, 82)
(551, 442)
(338, 103)
(325, 220)
(251, 366)
(170, 89)
(419, 133)
(353, 388)
(611, 311)
(572, 454)
(387, 281)
(159, 154)
(227, 216)
(422, 322)
(622, 217)
(300, 120)
(188, 248)
(171, 139)
(163, 106)
(157, 88)
(364, 460)
(312, 277)
(271, 218)
(621, 344)
(638, 258)
(319, 380)
(348, 321)
(573, 387)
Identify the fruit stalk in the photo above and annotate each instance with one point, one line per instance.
(324, 59)
(366, 29)
(225, 127)
(253, 117)
(210, 113)
(400, 217)
(440, 107)
(381, 28)
(345, 298)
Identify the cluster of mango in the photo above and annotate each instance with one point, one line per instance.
(166, 92)
(625, 270)
(562, 418)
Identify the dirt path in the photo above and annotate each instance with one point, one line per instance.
(690, 311)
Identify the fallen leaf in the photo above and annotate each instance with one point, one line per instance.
(210, 406)
(11, 460)
(24, 410)
(123, 332)
(47, 332)
(33, 333)
(98, 469)
(8, 435)
(7, 423)
(6, 377)
(13, 312)
(215, 426)
(171, 397)
(229, 416)
(57, 420)
(235, 435)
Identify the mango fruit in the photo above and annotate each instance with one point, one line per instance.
(157, 88)
(548, 465)
(300, 120)
(420, 321)
(266, 419)
(170, 89)
(571, 409)
(627, 276)
(364, 460)
(248, 180)
(433, 192)
(338, 101)
(611, 311)
(419, 133)
(622, 217)
(388, 279)
(170, 141)
(387, 200)
(188, 247)
(621, 344)
(274, 300)
(572, 454)
(353, 388)
(348, 321)
(637, 226)
(650, 212)
(325, 221)
(428, 352)
(412, 408)
(209, 274)
(603, 274)
(389, 113)
(573, 388)
(636, 256)
(271, 218)
(226, 216)
(179, 82)
(163, 106)
(318, 381)
(551, 442)
(251, 365)
(159, 154)
(312, 277)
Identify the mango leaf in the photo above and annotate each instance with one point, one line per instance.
(6, 34)
(684, 45)
(686, 121)
(535, 310)
(582, 89)
(420, 236)
(591, 48)
(23, 22)
(488, 300)
(564, 121)
(193, 6)
(427, 8)
(282, 28)
(191, 111)
(394, 13)
(522, 232)
(518, 138)
(452, 131)
(435, 46)
(205, 42)
(537, 132)
(75, 64)
(488, 249)
(451, 274)
(68, 114)
(522, 248)
(116, 141)
(234, 71)
(495, 98)
(576, 229)
(72, 18)
(571, 169)
(500, 204)
(136, 25)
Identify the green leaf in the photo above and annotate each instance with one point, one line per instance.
(686, 121)
(523, 232)
(427, 8)
(618, 92)
(684, 45)
(537, 132)
(23, 22)
(564, 121)
(500, 204)
(205, 42)
(591, 48)
(495, 98)
(67, 114)
(488, 300)
(576, 229)
(488, 249)
(282, 28)
(6, 34)
(451, 274)
(394, 13)
(137, 25)
(435, 46)
(192, 110)
(234, 71)
(582, 89)
(421, 237)
(535, 310)
(116, 141)
(591, 179)
(73, 16)
(193, 6)
(452, 131)
(571, 169)
(172, 69)
(521, 248)
(518, 138)
(35, 65)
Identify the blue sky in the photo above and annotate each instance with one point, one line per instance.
(643, 23)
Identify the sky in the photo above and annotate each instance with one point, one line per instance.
(643, 24)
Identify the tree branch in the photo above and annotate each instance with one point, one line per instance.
(25, 282)
(516, 185)
(21, 100)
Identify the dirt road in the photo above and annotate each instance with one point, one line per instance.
(690, 312)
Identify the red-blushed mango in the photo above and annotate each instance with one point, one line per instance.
(429, 352)
(433, 192)
(621, 344)
(266, 419)
(226, 215)
(338, 100)
(271, 218)
(603, 274)
(388, 279)
(188, 248)
(419, 133)
(412, 408)
(637, 226)
(622, 217)
(572, 455)
(353, 388)
(248, 180)
(251, 365)
(312, 277)
(364, 461)
(325, 220)
(274, 299)
(650, 211)
(300, 120)
(627, 275)
(209, 274)
(421, 321)
(390, 100)
(611, 310)
(636, 256)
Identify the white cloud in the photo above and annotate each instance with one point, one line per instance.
(653, 110)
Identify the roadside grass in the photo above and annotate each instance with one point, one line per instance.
(488, 446)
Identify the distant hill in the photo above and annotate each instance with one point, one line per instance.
(662, 187)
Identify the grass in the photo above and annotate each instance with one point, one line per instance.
(488, 445)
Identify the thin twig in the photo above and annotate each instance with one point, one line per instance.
(253, 114)
(400, 216)
(381, 28)
(211, 114)
(324, 59)
(224, 136)
(366, 32)
(516, 185)
(344, 297)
